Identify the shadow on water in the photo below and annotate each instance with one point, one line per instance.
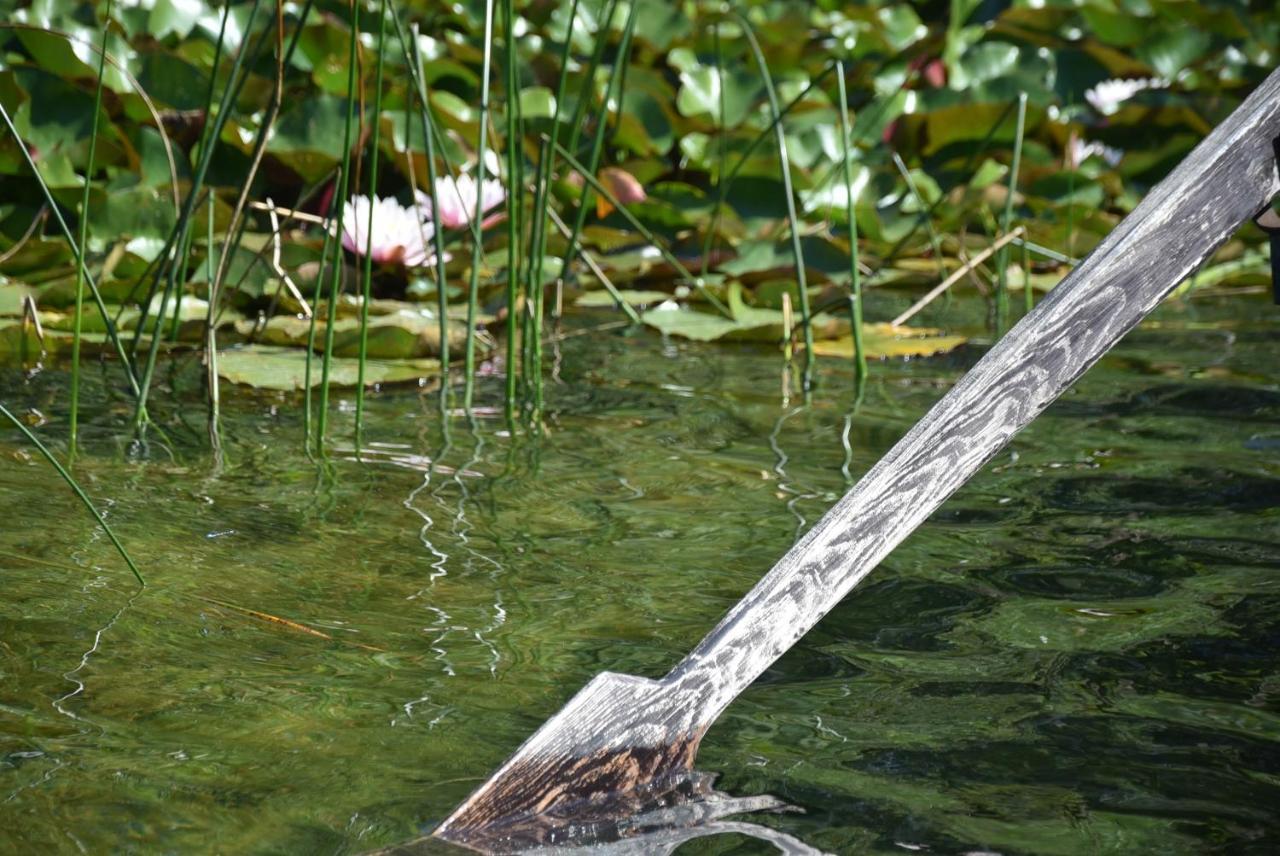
(1077, 654)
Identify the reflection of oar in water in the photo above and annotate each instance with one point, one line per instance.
(622, 738)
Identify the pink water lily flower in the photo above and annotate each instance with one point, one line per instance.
(400, 234)
(458, 200)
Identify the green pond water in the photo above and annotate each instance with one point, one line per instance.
(1080, 653)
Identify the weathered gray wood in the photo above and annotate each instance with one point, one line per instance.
(623, 740)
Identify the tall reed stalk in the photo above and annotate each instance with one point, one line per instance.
(84, 242)
(784, 166)
(935, 242)
(171, 271)
(1028, 296)
(367, 290)
(477, 245)
(645, 232)
(238, 224)
(413, 58)
(721, 143)
(855, 275)
(331, 227)
(515, 195)
(77, 251)
(597, 141)
(84, 498)
(1002, 260)
(586, 96)
(541, 203)
(339, 209)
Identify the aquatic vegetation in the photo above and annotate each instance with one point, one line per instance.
(459, 200)
(1108, 96)
(387, 231)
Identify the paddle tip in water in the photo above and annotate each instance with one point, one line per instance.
(619, 747)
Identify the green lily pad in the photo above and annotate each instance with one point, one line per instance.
(882, 341)
(265, 367)
(632, 297)
(11, 296)
(398, 335)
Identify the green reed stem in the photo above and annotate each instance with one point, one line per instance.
(645, 232)
(515, 192)
(586, 95)
(66, 476)
(211, 349)
(587, 92)
(721, 145)
(477, 245)
(1028, 297)
(367, 292)
(935, 242)
(597, 141)
(1002, 260)
(331, 228)
(802, 286)
(541, 203)
(726, 181)
(84, 241)
(429, 132)
(184, 220)
(855, 275)
(208, 101)
(340, 207)
(77, 251)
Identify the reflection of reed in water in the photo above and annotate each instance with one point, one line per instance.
(795, 492)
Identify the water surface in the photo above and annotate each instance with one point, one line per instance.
(1078, 653)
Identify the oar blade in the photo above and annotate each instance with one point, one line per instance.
(617, 746)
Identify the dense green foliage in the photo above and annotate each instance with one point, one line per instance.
(688, 117)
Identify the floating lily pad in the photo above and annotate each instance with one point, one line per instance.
(398, 335)
(882, 341)
(748, 324)
(265, 367)
(11, 297)
(633, 297)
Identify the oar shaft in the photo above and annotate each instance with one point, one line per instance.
(1228, 178)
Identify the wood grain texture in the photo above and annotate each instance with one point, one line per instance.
(623, 734)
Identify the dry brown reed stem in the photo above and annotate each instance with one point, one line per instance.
(956, 276)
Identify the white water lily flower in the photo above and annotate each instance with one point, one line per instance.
(400, 234)
(458, 199)
(1082, 151)
(1108, 95)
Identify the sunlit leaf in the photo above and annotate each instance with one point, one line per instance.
(883, 341)
(265, 367)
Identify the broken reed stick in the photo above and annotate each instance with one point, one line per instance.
(956, 275)
(595, 269)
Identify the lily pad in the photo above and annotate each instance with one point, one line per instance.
(11, 296)
(632, 297)
(399, 335)
(882, 341)
(265, 367)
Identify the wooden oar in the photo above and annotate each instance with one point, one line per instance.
(627, 737)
